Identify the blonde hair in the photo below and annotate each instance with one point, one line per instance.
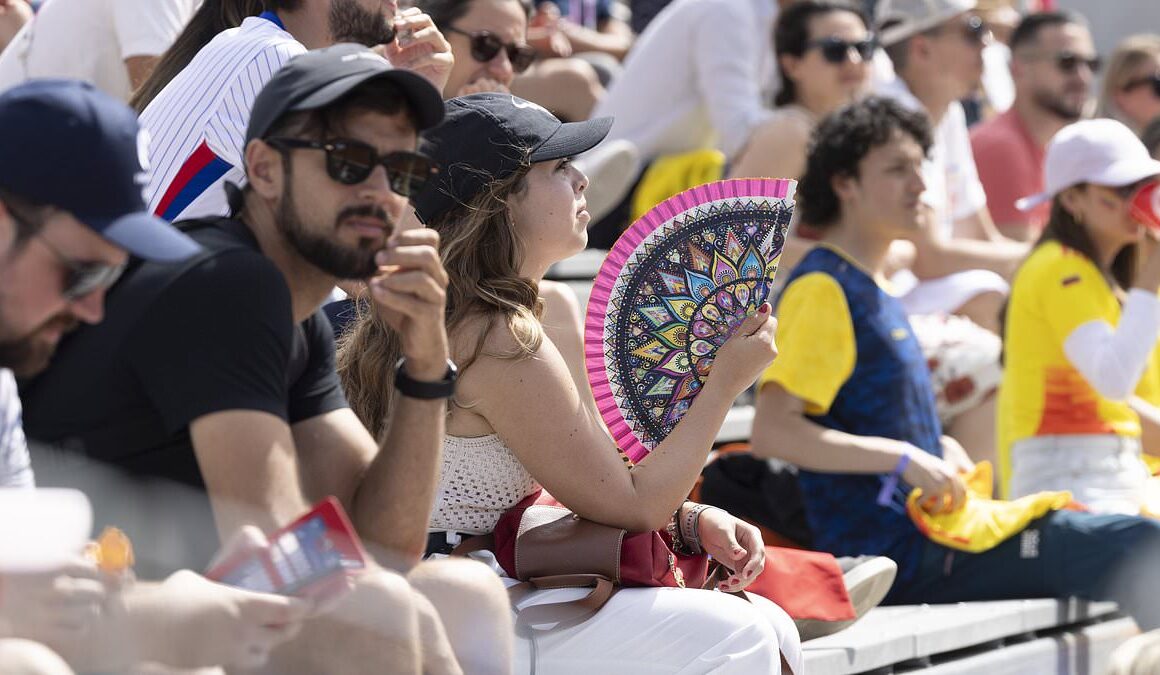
(1130, 53)
(481, 252)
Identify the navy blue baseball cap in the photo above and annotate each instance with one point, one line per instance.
(66, 144)
(489, 136)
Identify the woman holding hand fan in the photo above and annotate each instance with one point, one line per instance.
(507, 204)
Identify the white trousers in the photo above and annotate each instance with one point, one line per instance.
(1102, 471)
(674, 631)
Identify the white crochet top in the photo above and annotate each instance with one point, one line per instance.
(480, 479)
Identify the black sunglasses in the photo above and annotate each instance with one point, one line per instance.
(351, 162)
(1153, 80)
(1069, 62)
(837, 50)
(485, 45)
(84, 277)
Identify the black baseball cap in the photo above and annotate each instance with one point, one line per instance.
(66, 144)
(318, 78)
(487, 137)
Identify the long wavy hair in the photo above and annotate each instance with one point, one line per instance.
(1065, 228)
(211, 18)
(481, 252)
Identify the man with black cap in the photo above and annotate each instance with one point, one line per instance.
(218, 374)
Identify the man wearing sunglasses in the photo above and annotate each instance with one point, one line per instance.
(66, 239)
(1054, 63)
(936, 47)
(220, 391)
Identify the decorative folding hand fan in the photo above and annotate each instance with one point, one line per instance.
(671, 291)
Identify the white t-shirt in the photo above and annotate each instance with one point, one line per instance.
(90, 39)
(698, 77)
(953, 187)
(15, 466)
(197, 123)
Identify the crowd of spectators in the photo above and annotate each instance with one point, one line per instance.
(259, 253)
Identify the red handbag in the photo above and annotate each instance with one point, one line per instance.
(542, 543)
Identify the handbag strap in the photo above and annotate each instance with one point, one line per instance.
(553, 615)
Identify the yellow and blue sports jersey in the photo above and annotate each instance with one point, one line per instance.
(1056, 291)
(845, 347)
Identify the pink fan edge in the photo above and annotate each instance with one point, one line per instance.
(611, 268)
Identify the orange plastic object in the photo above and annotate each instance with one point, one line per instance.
(112, 551)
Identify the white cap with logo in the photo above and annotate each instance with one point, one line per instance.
(1101, 152)
(916, 16)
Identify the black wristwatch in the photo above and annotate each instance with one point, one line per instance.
(412, 388)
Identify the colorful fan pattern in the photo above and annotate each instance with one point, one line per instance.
(671, 292)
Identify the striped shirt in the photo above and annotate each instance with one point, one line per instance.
(15, 467)
(198, 122)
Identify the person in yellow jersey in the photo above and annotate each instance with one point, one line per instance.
(1081, 329)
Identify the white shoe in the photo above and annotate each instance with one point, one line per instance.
(868, 579)
(612, 169)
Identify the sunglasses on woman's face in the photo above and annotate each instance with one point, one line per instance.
(1153, 80)
(485, 45)
(836, 50)
(351, 162)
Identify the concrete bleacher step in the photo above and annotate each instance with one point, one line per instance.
(990, 637)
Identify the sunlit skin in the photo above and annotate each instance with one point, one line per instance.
(1106, 216)
(321, 201)
(1038, 77)
(821, 85)
(33, 278)
(503, 18)
(1140, 104)
(959, 58)
(884, 198)
(550, 215)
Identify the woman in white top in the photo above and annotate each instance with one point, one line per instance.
(507, 205)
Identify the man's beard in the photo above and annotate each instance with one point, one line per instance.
(349, 22)
(1058, 106)
(332, 257)
(28, 355)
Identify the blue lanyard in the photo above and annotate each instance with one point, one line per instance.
(272, 18)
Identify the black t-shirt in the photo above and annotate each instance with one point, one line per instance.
(111, 415)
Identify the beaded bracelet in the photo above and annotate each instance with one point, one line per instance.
(674, 530)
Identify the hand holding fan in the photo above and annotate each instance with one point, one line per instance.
(670, 293)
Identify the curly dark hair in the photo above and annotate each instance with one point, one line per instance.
(841, 141)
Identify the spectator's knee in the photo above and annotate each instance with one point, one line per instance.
(473, 606)
(460, 581)
(381, 601)
(577, 73)
(25, 657)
